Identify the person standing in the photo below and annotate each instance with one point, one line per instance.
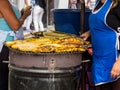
(63, 4)
(73, 4)
(38, 12)
(104, 25)
(90, 4)
(10, 22)
(30, 18)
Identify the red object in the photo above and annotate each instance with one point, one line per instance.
(90, 51)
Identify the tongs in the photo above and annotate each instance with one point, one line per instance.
(37, 34)
(34, 34)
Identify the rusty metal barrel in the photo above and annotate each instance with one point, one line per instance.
(44, 71)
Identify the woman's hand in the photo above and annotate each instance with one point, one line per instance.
(85, 35)
(26, 12)
(115, 72)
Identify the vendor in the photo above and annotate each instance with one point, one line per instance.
(10, 22)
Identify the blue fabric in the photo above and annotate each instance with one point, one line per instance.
(4, 25)
(67, 28)
(103, 44)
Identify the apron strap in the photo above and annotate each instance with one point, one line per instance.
(118, 41)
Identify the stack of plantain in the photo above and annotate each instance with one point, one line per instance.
(50, 42)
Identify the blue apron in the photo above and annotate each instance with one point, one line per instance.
(104, 41)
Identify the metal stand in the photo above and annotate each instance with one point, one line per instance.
(82, 28)
(82, 16)
(83, 76)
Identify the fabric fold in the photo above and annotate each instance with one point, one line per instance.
(3, 36)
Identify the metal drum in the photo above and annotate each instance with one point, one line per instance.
(44, 71)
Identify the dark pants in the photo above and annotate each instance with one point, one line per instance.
(110, 86)
(4, 56)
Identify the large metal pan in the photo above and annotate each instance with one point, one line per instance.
(45, 60)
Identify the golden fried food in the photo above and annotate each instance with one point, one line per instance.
(9, 43)
(48, 44)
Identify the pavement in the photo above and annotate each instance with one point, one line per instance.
(48, 28)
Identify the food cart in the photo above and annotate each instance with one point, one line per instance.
(47, 68)
(49, 62)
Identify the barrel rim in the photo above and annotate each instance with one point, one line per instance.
(30, 70)
(47, 53)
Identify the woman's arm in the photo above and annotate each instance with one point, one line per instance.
(26, 2)
(8, 14)
(85, 35)
(114, 13)
(115, 72)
